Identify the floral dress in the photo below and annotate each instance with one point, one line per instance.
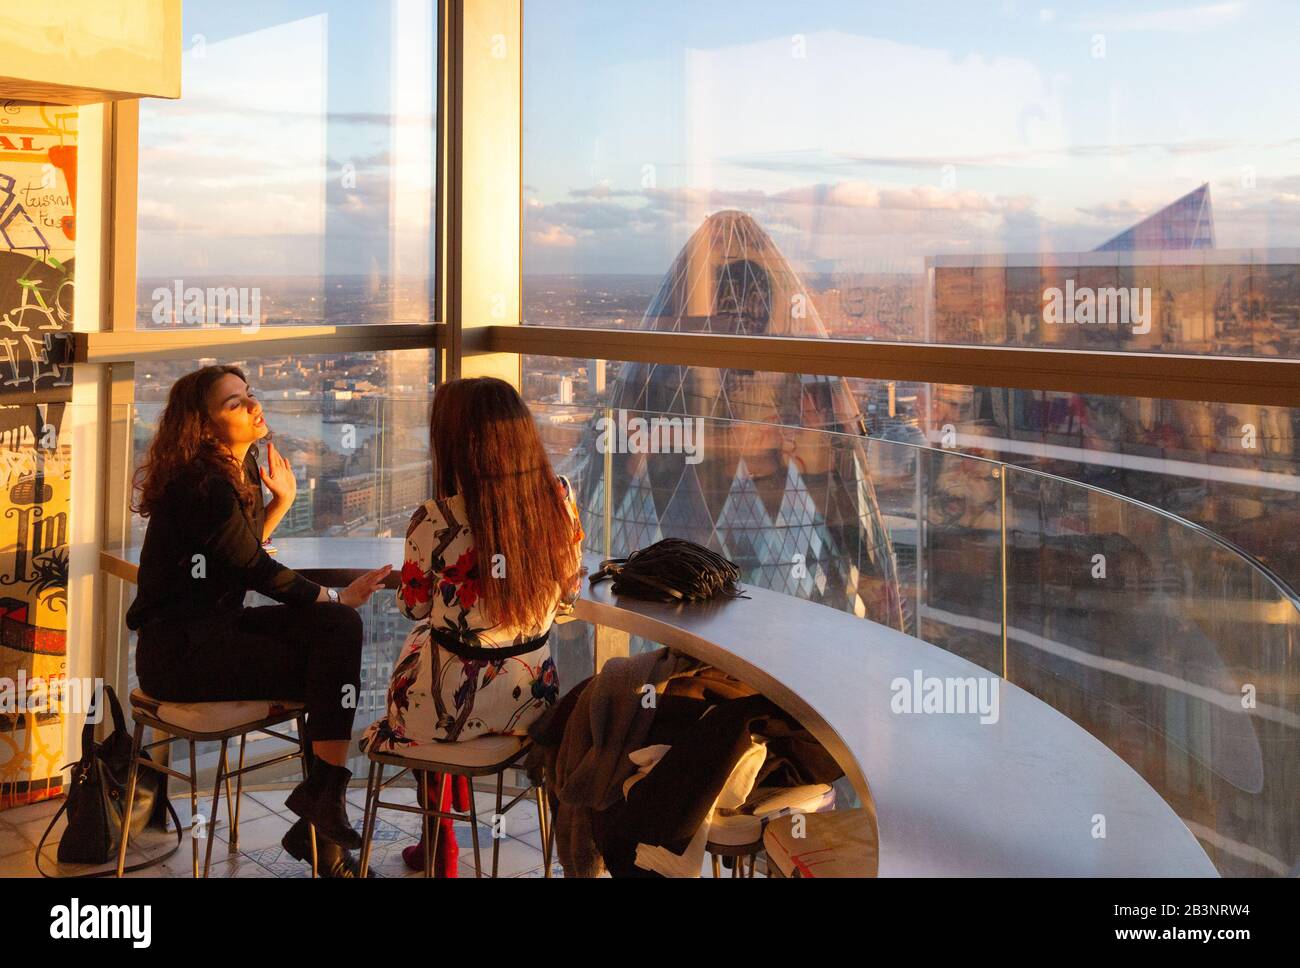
(434, 695)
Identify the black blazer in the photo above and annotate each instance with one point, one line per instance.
(203, 552)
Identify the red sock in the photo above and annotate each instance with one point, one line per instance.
(446, 858)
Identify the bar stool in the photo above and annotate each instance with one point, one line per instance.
(211, 721)
(841, 843)
(484, 756)
(740, 835)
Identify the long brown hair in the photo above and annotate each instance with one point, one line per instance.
(184, 446)
(486, 448)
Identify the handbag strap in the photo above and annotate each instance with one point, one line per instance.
(119, 721)
(88, 730)
(153, 861)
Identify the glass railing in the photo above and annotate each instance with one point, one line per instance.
(1174, 648)
(1171, 646)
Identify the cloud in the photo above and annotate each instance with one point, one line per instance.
(1027, 155)
(552, 237)
(603, 229)
(1124, 211)
(1182, 20)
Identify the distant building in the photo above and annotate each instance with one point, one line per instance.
(346, 501)
(1186, 224)
(795, 509)
(301, 516)
(595, 378)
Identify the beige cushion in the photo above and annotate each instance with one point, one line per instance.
(841, 843)
(739, 829)
(480, 752)
(214, 717)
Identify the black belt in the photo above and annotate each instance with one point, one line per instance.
(462, 651)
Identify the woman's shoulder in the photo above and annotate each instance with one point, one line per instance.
(437, 511)
(196, 484)
(566, 489)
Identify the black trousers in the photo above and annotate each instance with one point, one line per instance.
(305, 653)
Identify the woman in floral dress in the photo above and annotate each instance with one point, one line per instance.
(490, 561)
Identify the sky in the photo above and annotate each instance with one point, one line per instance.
(864, 137)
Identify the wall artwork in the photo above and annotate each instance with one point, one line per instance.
(38, 186)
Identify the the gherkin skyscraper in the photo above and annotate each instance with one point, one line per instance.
(780, 483)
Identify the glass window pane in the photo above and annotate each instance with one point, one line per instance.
(293, 181)
(951, 172)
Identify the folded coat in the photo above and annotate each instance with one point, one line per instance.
(610, 719)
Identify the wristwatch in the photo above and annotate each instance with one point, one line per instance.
(333, 594)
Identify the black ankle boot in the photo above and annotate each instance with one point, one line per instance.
(331, 859)
(319, 800)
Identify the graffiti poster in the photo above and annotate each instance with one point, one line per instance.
(38, 184)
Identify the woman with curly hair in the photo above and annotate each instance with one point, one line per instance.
(490, 560)
(201, 489)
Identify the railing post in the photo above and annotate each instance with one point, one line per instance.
(1000, 472)
(606, 485)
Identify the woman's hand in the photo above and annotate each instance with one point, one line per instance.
(278, 477)
(359, 592)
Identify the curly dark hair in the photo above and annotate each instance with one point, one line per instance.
(184, 446)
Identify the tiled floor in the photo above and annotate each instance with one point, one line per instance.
(263, 820)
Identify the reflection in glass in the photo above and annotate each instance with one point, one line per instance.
(794, 513)
(294, 177)
(1171, 648)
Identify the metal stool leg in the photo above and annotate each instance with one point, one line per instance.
(496, 841)
(543, 829)
(431, 846)
(194, 807)
(473, 829)
(373, 785)
(427, 837)
(136, 740)
(239, 795)
(223, 776)
(551, 810)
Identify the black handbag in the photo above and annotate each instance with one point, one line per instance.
(672, 570)
(96, 800)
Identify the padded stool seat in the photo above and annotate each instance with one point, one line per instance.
(483, 756)
(841, 843)
(200, 722)
(473, 753)
(213, 717)
(739, 829)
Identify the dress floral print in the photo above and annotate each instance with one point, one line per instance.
(434, 695)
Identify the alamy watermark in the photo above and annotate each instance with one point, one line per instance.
(656, 435)
(75, 921)
(1106, 306)
(213, 306)
(52, 694)
(955, 695)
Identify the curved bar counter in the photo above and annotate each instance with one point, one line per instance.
(1021, 796)
(1029, 794)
